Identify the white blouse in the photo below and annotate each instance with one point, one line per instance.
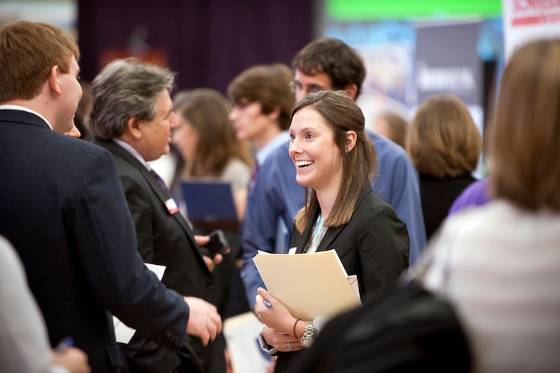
(500, 266)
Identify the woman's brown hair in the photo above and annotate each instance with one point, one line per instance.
(342, 115)
(524, 156)
(443, 140)
(396, 126)
(207, 111)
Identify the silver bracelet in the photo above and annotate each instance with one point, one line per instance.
(308, 334)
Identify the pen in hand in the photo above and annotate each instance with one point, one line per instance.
(64, 344)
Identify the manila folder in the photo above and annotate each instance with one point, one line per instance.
(310, 285)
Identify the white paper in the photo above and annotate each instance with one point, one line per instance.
(124, 333)
(241, 336)
(157, 269)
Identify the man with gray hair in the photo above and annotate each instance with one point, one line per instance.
(132, 117)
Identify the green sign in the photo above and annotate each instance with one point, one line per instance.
(365, 10)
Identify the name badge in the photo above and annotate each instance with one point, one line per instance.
(171, 206)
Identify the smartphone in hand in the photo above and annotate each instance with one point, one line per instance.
(217, 245)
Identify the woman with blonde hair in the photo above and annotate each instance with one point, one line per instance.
(335, 160)
(444, 145)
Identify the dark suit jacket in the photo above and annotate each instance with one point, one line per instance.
(62, 207)
(374, 245)
(164, 238)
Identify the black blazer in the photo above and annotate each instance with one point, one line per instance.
(374, 245)
(438, 195)
(63, 208)
(164, 238)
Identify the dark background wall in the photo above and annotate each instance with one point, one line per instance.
(208, 42)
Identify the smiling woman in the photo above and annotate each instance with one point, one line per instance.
(334, 161)
(318, 162)
(331, 127)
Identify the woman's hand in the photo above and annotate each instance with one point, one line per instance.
(273, 313)
(282, 342)
(74, 360)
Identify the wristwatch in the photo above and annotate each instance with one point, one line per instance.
(308, 334)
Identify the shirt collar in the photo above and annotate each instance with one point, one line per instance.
(263, 152)
(23, 108)
(129, 148)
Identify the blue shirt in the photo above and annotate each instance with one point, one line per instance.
(276, 198)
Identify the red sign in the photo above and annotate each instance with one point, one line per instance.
(532, 12)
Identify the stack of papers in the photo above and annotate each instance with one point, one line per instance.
(310, 285)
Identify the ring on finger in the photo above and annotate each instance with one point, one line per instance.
(289, 345)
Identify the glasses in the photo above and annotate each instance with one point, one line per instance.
(307, 88)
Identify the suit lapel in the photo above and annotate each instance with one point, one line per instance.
(122, 153)
(306, 235)
(332, 233)
(162, 195)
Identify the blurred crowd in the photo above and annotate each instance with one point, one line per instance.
(455, 274)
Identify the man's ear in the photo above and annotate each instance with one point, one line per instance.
(350, 142)
(133, 128)
(53, 80)
(352, 90)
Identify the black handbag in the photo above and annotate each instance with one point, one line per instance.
(406, 329)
